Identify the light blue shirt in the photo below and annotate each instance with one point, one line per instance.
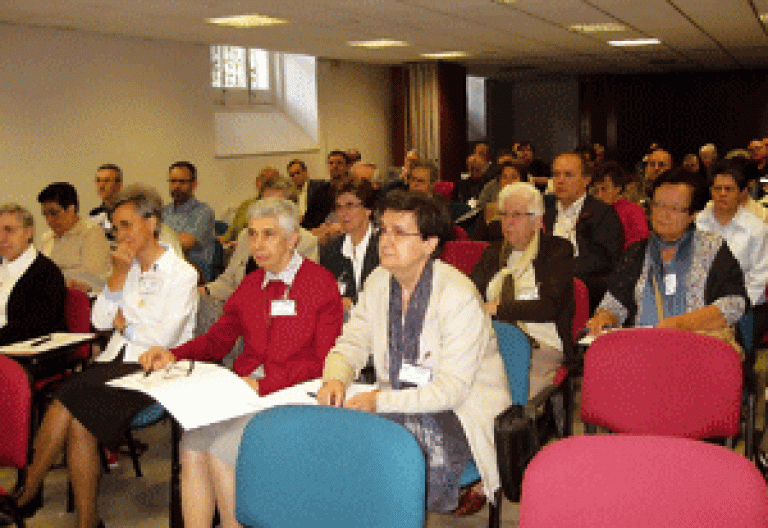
(196, 218)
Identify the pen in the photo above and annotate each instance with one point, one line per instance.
(38, 342)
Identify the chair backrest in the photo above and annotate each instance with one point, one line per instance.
(460, 234)
(664, 382)
(15, 409)
(581, 307)
(640, 481)
(78, 315)
(462, 254)
(515, 349)
(326, 467)
(444, 189)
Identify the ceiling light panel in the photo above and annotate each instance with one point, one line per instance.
(378, 43)
(445, 55)
(634, 42)
(606, 27)
(247, 21)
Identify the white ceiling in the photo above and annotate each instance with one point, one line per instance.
(529, 34)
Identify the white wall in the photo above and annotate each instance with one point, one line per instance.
(71, 101)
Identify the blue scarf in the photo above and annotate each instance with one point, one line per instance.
(679, 266)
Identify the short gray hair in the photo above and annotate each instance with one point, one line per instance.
(145, 200)
(526, 191)
(285, 211)
(25, 216)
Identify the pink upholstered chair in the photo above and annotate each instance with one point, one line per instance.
(663, 382)
(462, 254)
(640, 481)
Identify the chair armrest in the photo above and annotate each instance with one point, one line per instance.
(513, 448)
(539, 400)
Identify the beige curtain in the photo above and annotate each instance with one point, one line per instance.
(423, 119)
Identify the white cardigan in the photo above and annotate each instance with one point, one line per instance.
(468, 374)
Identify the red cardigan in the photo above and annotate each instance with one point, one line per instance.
(633, 220)
(291, 348)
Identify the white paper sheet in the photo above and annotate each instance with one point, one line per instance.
(40, 344)
(212, 393)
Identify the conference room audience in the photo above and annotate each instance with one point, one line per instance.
(33, 293)
(149, 300)
(191, 219)
(289, 313)
(527, 279)
(77, 246)
(680, 277)
(352, 256)
(608, 185)
(591, 226)
(419, 312)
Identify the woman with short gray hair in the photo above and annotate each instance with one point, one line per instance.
(289, 315)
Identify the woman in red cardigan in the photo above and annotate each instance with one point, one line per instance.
(289, 314)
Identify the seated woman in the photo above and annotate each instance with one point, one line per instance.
(608, 186)
(289, 314)
(420, 313)
(680, 277)
(528, 279)
(352, 256)
(150, 299)
(488, 226)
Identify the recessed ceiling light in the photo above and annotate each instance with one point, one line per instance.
(247, 21)
(635, 42)
(503, 1)
(378, 43)
(764, 17)
(445, 55)
(597, 28)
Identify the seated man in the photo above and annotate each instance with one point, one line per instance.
(32, 290)
(680, 277)
(109, 181)
(591, 226)
(487, 225)
(289, 314)
(190, 218)
(418, 312)
(78, 247)
(745, 234)
(150, 299)
(527, 279)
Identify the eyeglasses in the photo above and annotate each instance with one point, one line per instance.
(656, 163)
(177, 370)
(348, 206)
(396, 233)
(514, 215)
(179, 180)
(669, 208)
(294, 174)
(106, 180)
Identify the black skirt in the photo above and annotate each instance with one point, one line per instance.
(107, 412)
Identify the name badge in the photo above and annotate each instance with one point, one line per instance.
(150, 285)
(282, 307)
(529, 294)
(415, 374)
(670, 283)
(342, 288)
(472, 202)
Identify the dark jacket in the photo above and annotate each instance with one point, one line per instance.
(320, 202)
(37, 303)
(600, 237)
(553, 267)
(341, 267)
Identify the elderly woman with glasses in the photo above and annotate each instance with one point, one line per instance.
(527, 279)
(680, 277)
(289, 314)
(435, 354)
(150, 299)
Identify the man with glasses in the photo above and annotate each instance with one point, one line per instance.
(191, 218)
(321, 202)
(592, 227)
(78, 247)
(109, 181)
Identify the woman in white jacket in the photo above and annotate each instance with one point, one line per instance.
(434, 350)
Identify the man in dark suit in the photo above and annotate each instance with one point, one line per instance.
(320, 194)
(33, 293)
(592, 227)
